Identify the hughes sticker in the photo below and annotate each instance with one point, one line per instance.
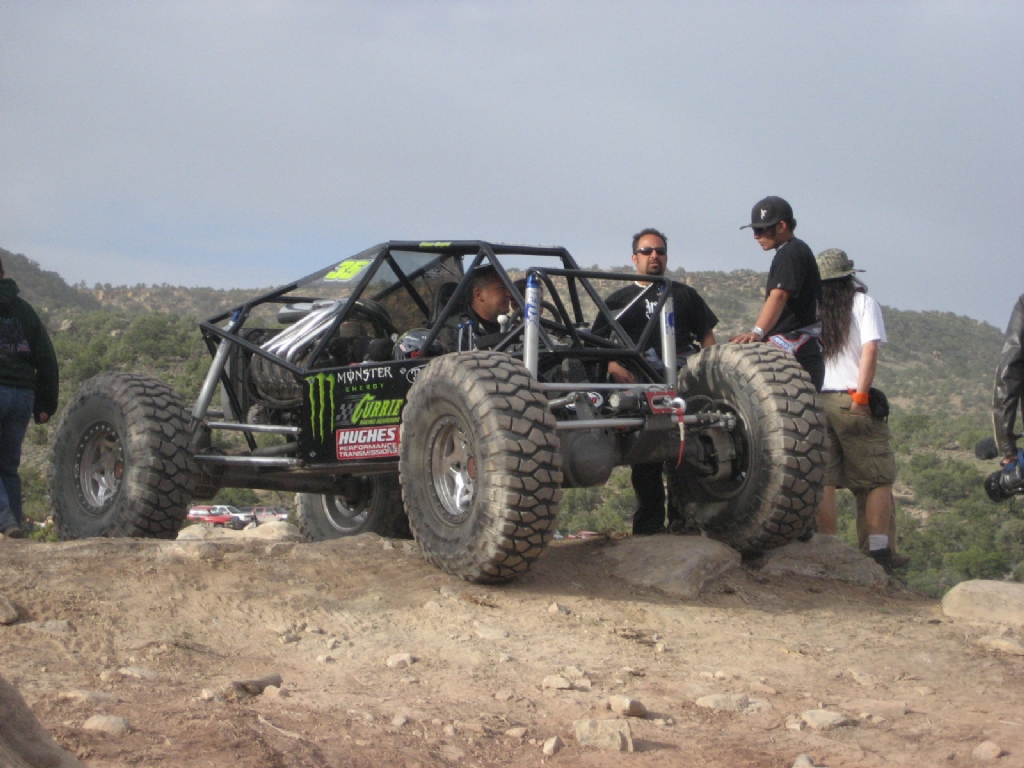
(367, 443)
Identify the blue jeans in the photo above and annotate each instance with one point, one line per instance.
(15, 413)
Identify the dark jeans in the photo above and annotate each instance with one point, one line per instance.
(15, 413)
(650, 499)
(811, 357)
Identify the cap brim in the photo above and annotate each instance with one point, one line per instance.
(759, 225)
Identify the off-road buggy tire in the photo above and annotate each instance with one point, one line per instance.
(480, 466)
(782, 454)
(378, 509)
(121, 465)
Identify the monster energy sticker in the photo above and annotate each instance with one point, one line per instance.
(321, 405)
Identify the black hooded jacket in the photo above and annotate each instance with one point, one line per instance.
(27, 360)
(1009, 382)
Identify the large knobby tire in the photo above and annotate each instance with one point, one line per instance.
(121, 465)
(374, 506)
(480, 467)
(775, 487)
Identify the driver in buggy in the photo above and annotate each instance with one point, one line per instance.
(489, 299)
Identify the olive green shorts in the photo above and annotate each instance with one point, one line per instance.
(862, 457)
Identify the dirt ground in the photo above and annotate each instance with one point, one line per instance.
(328, 616)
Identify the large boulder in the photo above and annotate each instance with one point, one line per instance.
(825, 557)
(1000, 602)
(676, 565)
(24, 743)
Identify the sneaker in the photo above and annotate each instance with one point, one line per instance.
(888, 559)
(14, 532)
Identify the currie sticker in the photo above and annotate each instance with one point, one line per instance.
(367, 443)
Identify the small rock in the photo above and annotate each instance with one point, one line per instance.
(573, 672)
(490, 633)
(503, 695)
(582, 684)
(112, 724)
(794, 723)
(207, 695)
(612, 735)
(8, 612)
(388, 545)
(925, 690)
(660, 647)
(432, 605)
(757, 705)
(762, 688)
(517, 732)
(553, 746)
(324, 659)
(399, 720)
(275, 692)
(861, 677)
(824, 719)
(289, 637)
(987, 750)
(890, 710)
(556, 682)
(89, 697)
(333, 643)
(557, 608)
(400, 660)
(623, 705)
(803, 761)
(52, 627)
(450, 592)
(1002, 644)
(240, 689)
(107, 675)
(140, 673)
(724, 702)
(314, 630)
(449, 730)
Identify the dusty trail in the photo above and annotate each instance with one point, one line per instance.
(327, 617)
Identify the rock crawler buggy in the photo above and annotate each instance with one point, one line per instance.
(358, 409)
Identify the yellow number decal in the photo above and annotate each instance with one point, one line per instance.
(347, 269)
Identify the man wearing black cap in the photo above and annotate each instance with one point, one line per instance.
(789, 317)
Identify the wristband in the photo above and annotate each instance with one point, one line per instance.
(860, 398)
(757, 329)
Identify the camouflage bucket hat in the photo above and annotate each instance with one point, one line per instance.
(834, 264)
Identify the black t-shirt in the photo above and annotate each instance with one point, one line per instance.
(795, 270)
(693, 317)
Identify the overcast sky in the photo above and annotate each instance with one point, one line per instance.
(243, 144)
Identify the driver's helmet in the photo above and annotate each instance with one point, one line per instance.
(411, 345)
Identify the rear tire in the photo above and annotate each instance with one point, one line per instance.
(775, 486)
(374, 506)
(121, 465)
(480, 466)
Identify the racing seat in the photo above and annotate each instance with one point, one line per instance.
(444, 294)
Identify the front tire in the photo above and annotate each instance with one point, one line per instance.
(773, 490)
(480, 467)
(121, 465)
(373, 505)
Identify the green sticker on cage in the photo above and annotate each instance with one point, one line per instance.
(347, 269)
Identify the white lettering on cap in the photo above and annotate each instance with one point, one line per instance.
(764, 212)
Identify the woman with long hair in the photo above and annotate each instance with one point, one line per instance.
(862, 457)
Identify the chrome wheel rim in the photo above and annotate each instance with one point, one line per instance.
(453, 467)
(100, 460)
(348, 515)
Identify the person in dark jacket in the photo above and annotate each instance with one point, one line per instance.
(1009, 385)
(28, 387)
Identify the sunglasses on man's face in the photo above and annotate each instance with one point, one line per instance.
(649, 251)
(758, 231)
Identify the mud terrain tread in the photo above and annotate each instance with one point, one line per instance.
(519, 478)
(386, 515)
(789, 456)
(160, 474)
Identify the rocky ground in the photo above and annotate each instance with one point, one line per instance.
(384, 660)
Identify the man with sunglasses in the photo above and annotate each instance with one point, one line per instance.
(789, 317)
(694, 325)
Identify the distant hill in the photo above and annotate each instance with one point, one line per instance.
(44, 290)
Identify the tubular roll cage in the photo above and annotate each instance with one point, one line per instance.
(223, 330)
